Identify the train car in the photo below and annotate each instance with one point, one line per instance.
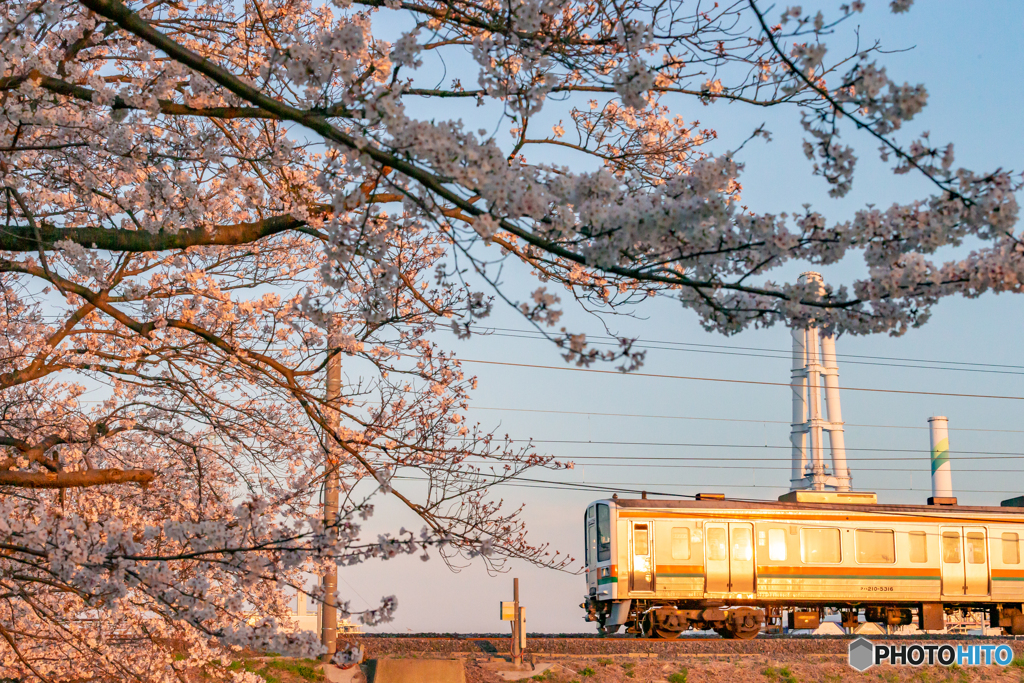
(660, 567)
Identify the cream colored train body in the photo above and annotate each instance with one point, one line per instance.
(662, 566)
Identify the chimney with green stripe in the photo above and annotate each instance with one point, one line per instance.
(942, 476)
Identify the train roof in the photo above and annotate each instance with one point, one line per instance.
(732, 504)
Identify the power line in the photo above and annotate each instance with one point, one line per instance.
(755, 446)
(922, 458)
(722, 419)
(760, 468)
(781, 354)
(730, 381)
(620, 487)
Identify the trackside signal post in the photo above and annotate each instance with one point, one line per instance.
(513, 611)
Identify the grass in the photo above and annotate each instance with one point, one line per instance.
(587, 672)
(605, 662)
(271, 671)
(1018, 662)
(627, 668)
(783, 674)
(679, 676)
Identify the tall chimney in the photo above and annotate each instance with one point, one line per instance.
(942, 475)
(798, 435)
(814, 362)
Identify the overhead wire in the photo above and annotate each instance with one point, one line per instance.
(723, 419)
(755, 446)
(779, 353)
(621, 487)
(731, 381)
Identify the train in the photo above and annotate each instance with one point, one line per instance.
(662, 567)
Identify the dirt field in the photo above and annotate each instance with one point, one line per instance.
(689, 660)
(805, 669)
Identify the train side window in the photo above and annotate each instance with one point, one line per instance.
(918, 546)
(777, 544)
(876, 546)
(820, 546)
(974, 543)
(680, 543)
(718, 543)
(1011, 549)
(604, 533)
(950, 546)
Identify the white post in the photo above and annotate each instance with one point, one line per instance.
(836, 437)
(942, 475)
(798, 383)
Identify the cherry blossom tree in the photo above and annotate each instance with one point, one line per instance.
(205, 201)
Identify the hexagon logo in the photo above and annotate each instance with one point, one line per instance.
(862, 654)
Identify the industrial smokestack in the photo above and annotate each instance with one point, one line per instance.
(814, 361)
(798, 435)
(942, 475)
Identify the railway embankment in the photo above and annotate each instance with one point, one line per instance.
(766, 659)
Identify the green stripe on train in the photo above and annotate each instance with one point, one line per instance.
(1008, 578)
(608, 579)
(850, 577)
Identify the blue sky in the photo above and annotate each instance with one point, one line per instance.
(968, 56)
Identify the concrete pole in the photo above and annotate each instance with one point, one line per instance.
(329, 620)
(517, 651)
(836, 437)
(942, 475)
(798, 433)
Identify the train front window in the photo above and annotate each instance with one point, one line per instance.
(590, 536)
(604, 533)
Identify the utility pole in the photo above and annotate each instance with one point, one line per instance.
(517, 626)
(329, 620)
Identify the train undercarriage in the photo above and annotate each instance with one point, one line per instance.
(667, 620)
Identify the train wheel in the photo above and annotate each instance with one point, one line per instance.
(746, 634)
(646, 624)
(666, 634)
(749, 634)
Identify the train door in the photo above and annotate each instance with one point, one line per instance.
(964, 554)
(642, 570)
(729, 558)
(741, 558)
